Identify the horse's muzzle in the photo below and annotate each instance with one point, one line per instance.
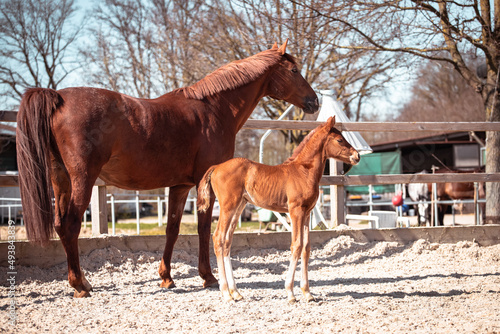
(311, 105)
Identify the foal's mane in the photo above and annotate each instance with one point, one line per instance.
(234, 74)
(301, 146)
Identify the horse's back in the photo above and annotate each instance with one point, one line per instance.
(118, 133)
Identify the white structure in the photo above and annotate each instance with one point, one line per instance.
(331, 107)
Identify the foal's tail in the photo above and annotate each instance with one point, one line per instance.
(205, 190)
(33, 140)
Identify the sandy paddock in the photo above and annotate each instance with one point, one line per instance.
(373, 287)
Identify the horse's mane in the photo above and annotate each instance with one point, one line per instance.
(234, 74)
(301, 146)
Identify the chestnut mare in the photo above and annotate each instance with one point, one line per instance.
(69, 138)
(290, 187)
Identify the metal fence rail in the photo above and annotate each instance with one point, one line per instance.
(338, 181)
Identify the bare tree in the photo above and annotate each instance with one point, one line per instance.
(147, 48)
(437, 30)
(122, 58)
(441, 94)
(37, 39)
(355, 74)
(438, 94)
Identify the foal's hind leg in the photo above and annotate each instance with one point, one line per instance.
(298, 218)
(222, 239)
(70, 204)
(231, 283)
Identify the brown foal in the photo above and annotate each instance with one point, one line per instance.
(290, 187)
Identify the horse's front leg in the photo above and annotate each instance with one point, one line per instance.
(306, 252)
(298, 216)
(176, 201)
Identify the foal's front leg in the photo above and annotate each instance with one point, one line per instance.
(306, 252)
(298, 218)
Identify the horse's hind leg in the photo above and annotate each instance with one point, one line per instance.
(70, 204)
(204, 231)
(176, 201)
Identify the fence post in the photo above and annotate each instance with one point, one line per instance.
(113, 217)
(137, 213)
(167, 192)
(160, 214)
(337, 196)
(98, 206)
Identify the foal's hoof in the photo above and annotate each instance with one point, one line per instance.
(210, 282)
(227, 297)
(81, 294)
(310, 298)
(236, 295)
(167, 284)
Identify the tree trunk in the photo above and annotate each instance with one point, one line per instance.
(492, 215)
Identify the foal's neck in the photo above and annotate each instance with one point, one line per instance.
(312, 157)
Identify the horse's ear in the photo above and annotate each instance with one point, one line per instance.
(282, 48)
(275, 46)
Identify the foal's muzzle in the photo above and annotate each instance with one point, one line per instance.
(354, 158)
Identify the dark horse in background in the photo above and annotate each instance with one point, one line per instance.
(444, 192)
(69, 138)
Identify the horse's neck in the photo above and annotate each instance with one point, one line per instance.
(237, 105)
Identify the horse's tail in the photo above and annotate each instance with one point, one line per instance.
(205, 190)
(33, 142)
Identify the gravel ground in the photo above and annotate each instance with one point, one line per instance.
(379, 287)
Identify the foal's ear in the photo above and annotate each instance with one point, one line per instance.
(275, 46)
(330, 123)
(282, 48)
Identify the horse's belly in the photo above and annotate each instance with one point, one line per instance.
(145, 175)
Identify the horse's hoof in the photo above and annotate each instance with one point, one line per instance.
(211, 282)
(292, 301)
(81, 294)
(87, 285)
(167, 284)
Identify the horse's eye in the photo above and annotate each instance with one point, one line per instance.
(295, 70)
(339, 140)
